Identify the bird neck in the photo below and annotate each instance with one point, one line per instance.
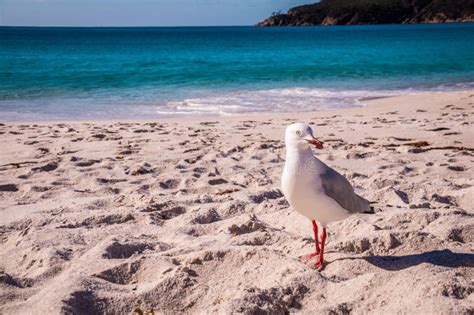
(295, 152)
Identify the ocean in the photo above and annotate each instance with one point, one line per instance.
(108, 73)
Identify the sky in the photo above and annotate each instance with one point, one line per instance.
(139, 12)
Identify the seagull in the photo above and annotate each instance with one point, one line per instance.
(314, 189)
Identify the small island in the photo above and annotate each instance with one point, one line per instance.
(356, 12)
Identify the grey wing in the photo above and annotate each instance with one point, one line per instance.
(338, 188)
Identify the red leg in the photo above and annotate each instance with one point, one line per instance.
(316, 243)
(316, 239)
(320, 262)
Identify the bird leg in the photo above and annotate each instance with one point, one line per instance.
(316, 240)
(316, 243)
(320, 262)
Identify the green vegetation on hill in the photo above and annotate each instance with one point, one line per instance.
(344, 12)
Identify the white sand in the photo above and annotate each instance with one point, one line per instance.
(187, 215)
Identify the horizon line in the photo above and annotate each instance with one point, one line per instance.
(210, 26)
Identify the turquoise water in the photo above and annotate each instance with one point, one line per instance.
(81, 73)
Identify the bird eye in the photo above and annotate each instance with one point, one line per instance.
(298, 133)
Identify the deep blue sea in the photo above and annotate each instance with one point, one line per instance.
(100, 73)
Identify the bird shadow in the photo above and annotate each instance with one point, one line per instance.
(445, 258)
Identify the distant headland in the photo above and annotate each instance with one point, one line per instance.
(354, 12)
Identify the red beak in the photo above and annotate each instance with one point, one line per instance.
(318, 144)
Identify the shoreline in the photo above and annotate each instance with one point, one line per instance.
(186, 215)
(365, 102)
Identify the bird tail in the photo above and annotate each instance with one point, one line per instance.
(364, 205)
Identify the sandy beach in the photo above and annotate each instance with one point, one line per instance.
(186, 215)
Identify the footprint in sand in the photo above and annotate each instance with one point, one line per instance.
(86, 163)
(250, 226)
(357, 155)
(9, 188)
(142, 131)
(209, 123)
(457, 168)
(106, 181)
(47, 167)
(97, 221)
(170, 184)
(193, 160)
(208, 217)
(217, 181)
(123, 250)
(99, 136)
(164, 211)
(266, 195)
(199, 170)
(140, 169)
(30, 142)
(438, 129)
(21, 283)
(453, 133)
(122, 274)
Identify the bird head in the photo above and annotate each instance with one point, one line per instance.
(300, 136)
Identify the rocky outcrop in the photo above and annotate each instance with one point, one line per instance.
(353, 12)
